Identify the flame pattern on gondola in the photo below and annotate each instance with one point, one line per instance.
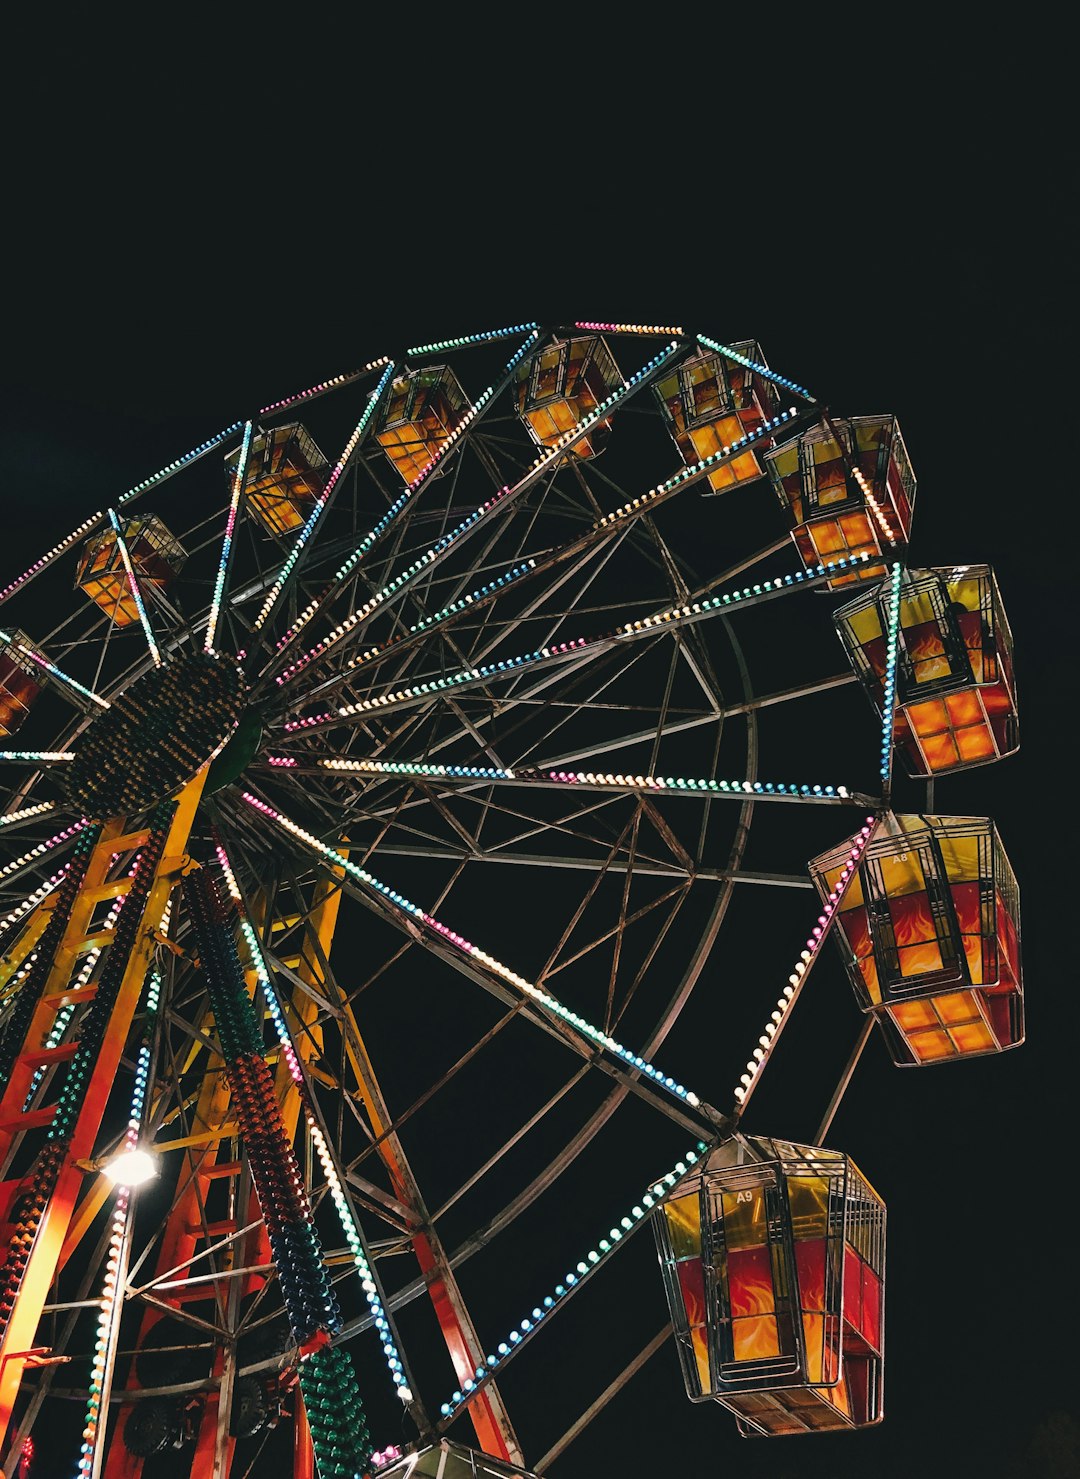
(773, 1256)
(930, 932)
(956, 698)
(850, 491)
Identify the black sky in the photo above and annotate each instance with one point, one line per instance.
(192, 237)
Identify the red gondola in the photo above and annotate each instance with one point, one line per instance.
(956, 693)
(774, 1263)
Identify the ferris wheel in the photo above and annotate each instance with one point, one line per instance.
(383, 777)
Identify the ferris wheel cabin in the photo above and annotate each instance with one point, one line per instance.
(711, 401)
(774, 1264)
(563, 385)
(956, 691)
(286, 472)
(423, 409)
(156, 556)
(850, 490)
(930, 933)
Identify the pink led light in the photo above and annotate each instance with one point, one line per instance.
(281, 760)
(818, 933)
(59, 549)
(261, 806)
(307, 723)
(447, 933)
(630, 328)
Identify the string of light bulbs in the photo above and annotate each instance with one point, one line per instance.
(227, 542)
(489, 336)
(39, 851)
(39, 808)
(600, 780)
(758, 369)
(892, 648)
(571, 1281)
(748, 1080)
(50, 667)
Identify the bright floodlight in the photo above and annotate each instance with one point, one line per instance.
(130, 1168)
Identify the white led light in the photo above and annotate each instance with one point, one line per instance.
(130, 1168)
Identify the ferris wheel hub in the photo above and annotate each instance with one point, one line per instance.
(157, 735)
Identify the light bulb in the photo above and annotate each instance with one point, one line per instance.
(131, 1168)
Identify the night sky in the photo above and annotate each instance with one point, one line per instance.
(180, 261)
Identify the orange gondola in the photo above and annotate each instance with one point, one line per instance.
(930, 932)
(562, 386)
(850, 490)
(711, 401)
(156, 555)
(286, 472)
(956, 693)
(420, 413)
